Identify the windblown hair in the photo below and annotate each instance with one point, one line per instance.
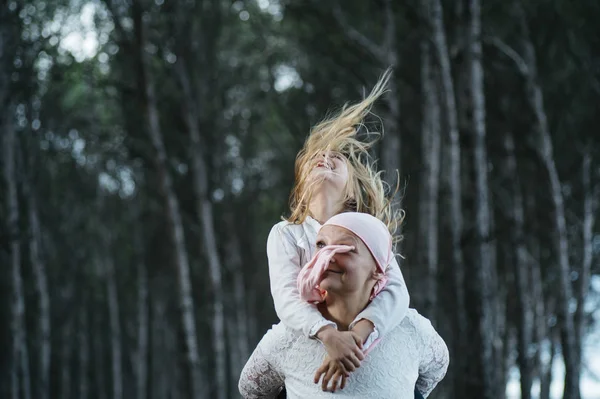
(365, 190)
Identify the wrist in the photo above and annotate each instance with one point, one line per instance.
(364, 328)
(325, 332)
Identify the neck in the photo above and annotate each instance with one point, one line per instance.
(323, 206)
(343, 310)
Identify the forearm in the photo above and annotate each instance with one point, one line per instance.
(284, 266)
(260, 377)
(364, 328)
(388, 308)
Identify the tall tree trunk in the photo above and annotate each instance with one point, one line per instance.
(452, 181)
(65, 360)
(115, 326)
(100, 381)
(84, 352)
(141, 364)
(173, 212)
(546, 371)
(41, 284)
(429, 192)
(386, 54)
(25, 375)
(522, 273)
(160, 355)
(484, 286)
(544, 147)
(19, 341)
(391, 156)
(238, 325)
(589, 210)
(527, 66)
(204, 211)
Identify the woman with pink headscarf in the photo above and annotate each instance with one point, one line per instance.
(347, 272)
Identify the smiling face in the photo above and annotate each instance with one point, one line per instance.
(351, 272)
(329, 167)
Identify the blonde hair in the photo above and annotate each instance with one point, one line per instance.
(365, 190)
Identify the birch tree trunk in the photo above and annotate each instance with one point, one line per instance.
(238, 327)
(527, 66)
(84, 352)
(100, 382)
(589, 210)
(484, 286)
(546, 371)
(159, 380)
(41, 284)
(544, 147)
(18, 302)
(25, 374)
(65, 361)
(386, 54)
(141, 364)
(391, 156)
(429, 191)
(204, 211)
(115, 326)
(453, 179)
(522, 275)
(173, 212)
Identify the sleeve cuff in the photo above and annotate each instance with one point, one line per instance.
(371, 340)
(315, 329)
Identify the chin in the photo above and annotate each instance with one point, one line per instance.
(330, 286)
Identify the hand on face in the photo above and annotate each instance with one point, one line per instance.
(348, 272)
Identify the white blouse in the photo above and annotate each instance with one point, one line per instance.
(411, 355)
(289, 247)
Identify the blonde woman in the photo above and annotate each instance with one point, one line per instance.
(334, 173)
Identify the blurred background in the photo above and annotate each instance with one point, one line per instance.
(148, 148)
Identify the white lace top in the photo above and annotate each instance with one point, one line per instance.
(411, 355)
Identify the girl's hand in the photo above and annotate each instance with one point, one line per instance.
(331, 371)
(344, 347)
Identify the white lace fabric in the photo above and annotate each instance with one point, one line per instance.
(411, 355)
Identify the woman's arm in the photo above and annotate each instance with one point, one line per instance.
(434, 359)
(260, 378)
(388, 308)
(284, 266)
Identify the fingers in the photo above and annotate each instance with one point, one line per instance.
(343, 384)
(330, 372)
(357, 339)
(336, 381)
(321, 370)
(356, 360)
(348, 364)
(359, 354)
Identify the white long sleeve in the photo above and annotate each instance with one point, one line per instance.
(389, 308)
(285, 263)
(260, 378)
(434, 358)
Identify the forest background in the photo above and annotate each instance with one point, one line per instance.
(148, 148)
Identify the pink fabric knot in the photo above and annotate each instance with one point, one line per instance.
(379, 285)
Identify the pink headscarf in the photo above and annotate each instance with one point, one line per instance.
(371, 231)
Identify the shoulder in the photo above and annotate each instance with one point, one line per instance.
(418, 324)
(277, 340)
(285, 231)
